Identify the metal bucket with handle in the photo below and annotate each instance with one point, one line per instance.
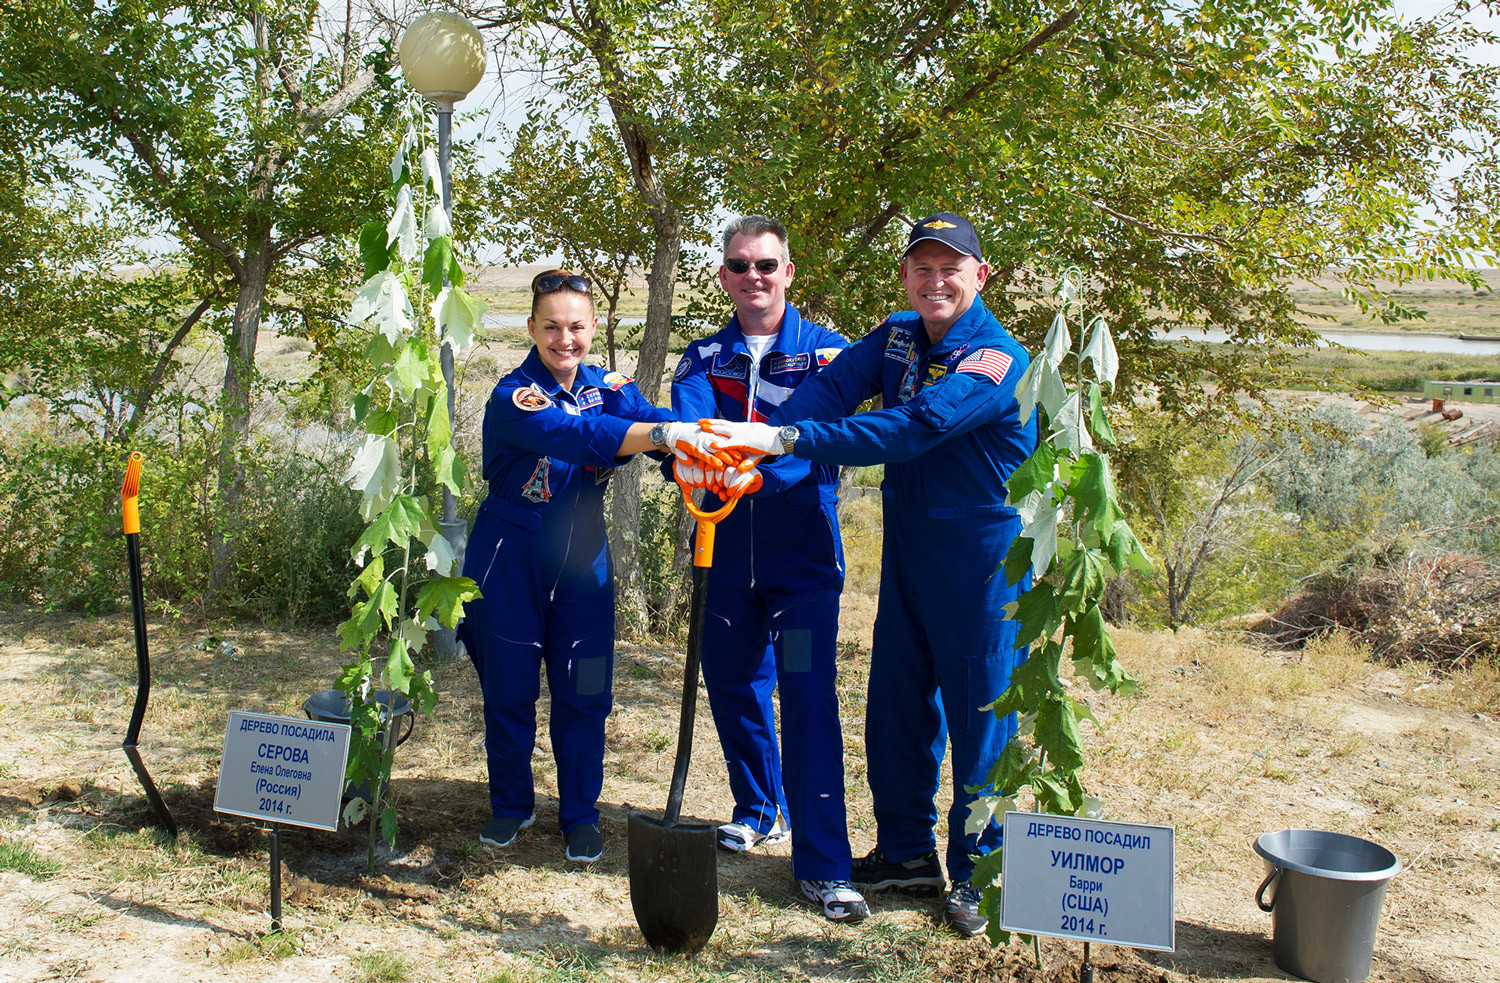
(674, 867)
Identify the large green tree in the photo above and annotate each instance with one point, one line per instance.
(237, 129)
(1193, 158)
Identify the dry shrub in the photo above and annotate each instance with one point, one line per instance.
(1439, 609)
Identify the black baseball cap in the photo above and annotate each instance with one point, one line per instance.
(953, 231)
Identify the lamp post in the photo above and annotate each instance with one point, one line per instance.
(442, 57)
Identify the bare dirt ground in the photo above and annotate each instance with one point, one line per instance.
(1223, 742)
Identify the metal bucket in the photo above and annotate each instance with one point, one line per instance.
(332, 707)
(1326, 903)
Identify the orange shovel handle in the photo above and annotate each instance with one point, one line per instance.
(703, 542)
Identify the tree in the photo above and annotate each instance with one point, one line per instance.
(651, 65)
(577, 197)
(1194, 158)
(234, 127)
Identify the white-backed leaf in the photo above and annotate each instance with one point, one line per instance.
(437, 224)
(458, 316)
(1059, 340)
(402, 228)
(1027, 506)
(1067, 427)
(1042, 531)
(986, 809)
(440, 556)
(375, 471)
(392, 309)
(368, 298)
(1028, 389)
(1101, 348)
(416, 636)
(432, 175)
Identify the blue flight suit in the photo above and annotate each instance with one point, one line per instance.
(773, 602)
(540, 555)
(949, 436)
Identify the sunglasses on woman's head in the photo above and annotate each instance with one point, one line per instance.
(765, 267)
(550, 282)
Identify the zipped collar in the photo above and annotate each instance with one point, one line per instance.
(788, 338)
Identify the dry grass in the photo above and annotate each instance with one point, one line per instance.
(1223, 742)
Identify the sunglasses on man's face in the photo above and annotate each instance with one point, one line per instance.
(765, 267)
(550, 282)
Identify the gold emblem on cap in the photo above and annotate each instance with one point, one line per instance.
(939, 224)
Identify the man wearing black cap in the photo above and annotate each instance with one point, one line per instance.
(950, 435)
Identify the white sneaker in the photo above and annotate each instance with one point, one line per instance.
(838, 899)
(738, 838)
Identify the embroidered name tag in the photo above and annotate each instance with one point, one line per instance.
(790, 363)
(589, 398)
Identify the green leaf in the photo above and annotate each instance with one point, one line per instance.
(1031, 682)
(369, 579)
(398, 666)
(1034, 474)
(359, 404)
(399, 521)
(1093, 490)
(411, 369)
(374, 254)
(1098, 421)
(1082, 580)
(1057, 732)
(1037, 612)
(436, 260)
(388, 826)
(1013, 769)
(1017, 560)
(987, 869)
(369, 618)
(445, 597)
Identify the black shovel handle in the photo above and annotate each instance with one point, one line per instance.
(703, 559)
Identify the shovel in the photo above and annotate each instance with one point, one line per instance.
(131, 512)
(674, 869)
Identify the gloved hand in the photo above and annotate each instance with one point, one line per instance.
(746, 482)
(748, 438)
(690, 475)
(693, 444)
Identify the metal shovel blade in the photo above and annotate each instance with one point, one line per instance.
(674, 883)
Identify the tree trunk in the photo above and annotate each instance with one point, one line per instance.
(239, 375)
(625, 545)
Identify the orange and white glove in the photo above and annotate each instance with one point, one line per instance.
(759, 439)
(692, 444)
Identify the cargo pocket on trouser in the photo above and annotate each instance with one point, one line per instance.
(579, 678)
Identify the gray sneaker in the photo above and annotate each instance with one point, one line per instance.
(920, 876)
(585, 845)
(502, 830)
(961, 911)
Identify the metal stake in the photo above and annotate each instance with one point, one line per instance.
(1086, 971)
(275, 880)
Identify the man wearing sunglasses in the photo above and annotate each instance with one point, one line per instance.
(949, 434)
(773, 593)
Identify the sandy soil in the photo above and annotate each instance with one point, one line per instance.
(1224, 743)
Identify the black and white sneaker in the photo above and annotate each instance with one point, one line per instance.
(838, 899)
(739, 838)
(961, 911)
(502, 830)
(920, 876)
(585, 845)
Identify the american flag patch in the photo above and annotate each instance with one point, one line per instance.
(987, 362)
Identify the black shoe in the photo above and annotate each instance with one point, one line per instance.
(920, 877)
(961, 911)
(502, 830)
(585, 845)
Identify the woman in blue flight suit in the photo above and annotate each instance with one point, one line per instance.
(554, 428)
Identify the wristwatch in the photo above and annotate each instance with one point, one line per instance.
(788, 436)
(658, 437)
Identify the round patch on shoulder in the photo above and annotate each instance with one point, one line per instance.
(617, 380)
(683, 366)
(530, 399)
